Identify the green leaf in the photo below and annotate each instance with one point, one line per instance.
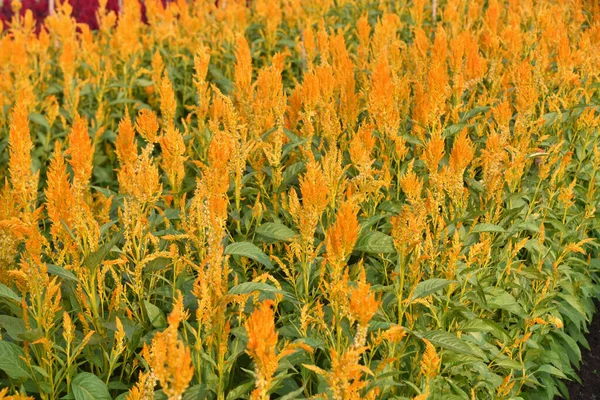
(480, 325)
(291, 172)
(552, 371)
(249, 287)
(61, 272)
(195, 392)
(14, 326)
(509, 364)
(86, 386)
(155, 314)
(505, 301)
(241, 391)
(275, 231)
(429, 286)
(31, 335)
(249, 250)
(473, 112)
(574, 302)
(8, 293)
(11, 361)
(143, 82)
(39, 119)
(449, 341)
(453, 130)
(296, 394)
(93, 260)
(488, 228)
(375, 242)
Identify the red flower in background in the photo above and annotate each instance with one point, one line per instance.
(84, 11)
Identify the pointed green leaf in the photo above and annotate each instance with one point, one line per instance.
(61, 272)
(505, 301)
(86, 386)
(155, 315)
(488, 228)
(8, 293)
(11, 361)
(275, 231)
(449, 341)
(93, 260)
(375, 242)
(14, 326)
(241, 391)
(39, 119)
(552, 371)
(428, 287)
(249, 250)
(249, 287)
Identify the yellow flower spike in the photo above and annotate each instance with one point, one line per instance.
(262, 342)
(382, 105)
(168, 357)
(462, 152)
(141, 180)
(342, 235)
(243, 71)
(5, 396)
(158, 67)
(430, 361)
(201, 63)
(363, 305)
(23, 180)
(433, 153)
(81, 151)
(60, 200)
(147, 125)
(168, 103)
(173, 157)
(125, 146)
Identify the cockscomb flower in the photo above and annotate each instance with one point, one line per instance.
(60, 199)
(142, 179)
(363, 305)
(24, 181)
(430, 362)
(342, 235)
(168, 103)
(4, 396)
(147, 125)
(169, 358)
(125, 145)
(173, 157)
(81, 151)
(262, 342)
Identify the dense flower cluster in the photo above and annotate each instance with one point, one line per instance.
(299, 199)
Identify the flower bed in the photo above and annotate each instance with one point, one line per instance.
(288, 199)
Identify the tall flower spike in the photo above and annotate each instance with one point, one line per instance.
(168, 103)
(146, 124)
(243, 70)
(81, 151)
(433, 154)
(141, 180)
(363, 306)
(173, 157)
(59, 197)
(462, 152)
(169, 358)
(126, 148)
(201, 62)
(262, 340)
(341, 237)
(430, 363)
(23, 180)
